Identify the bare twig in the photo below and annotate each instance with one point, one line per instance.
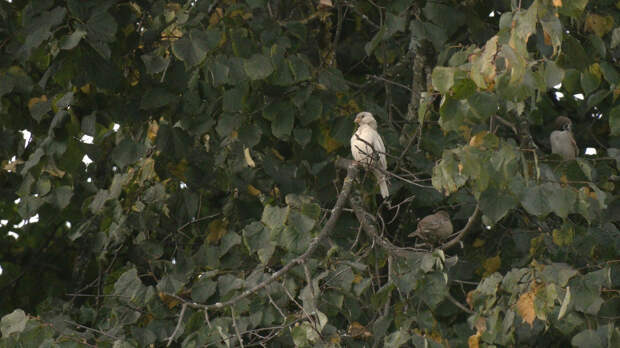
(458, 304)
(460, 234)
(234, 322)
(176, 328)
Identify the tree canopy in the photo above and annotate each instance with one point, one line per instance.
(177, 174)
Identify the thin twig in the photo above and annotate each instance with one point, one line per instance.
(458, 304)
(463, 231)
(176, 329)
(234, 322)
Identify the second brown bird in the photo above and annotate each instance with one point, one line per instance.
(434, 228)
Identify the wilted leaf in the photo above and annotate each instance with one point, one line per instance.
(525, 307)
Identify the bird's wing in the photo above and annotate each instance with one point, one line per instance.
(572, 140)
(379, 147)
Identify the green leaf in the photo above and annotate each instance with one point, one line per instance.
(483, 104)
(614, 120)
(202, 289)
(257, 238)
(443, 78)
(372, 44)
(125, 153)
(554, 75)
(40, 109)
(496, 204)
(128, 284)
(589, 82)
(13, 322)
(282, 125)
(561, 199)
(62, 196)
(274, 217)
(333, 79)
(258, 67)
(250, 135)
(228, 283)
(192, 50)
(156, 98)
(299, 68)
(96, 206)
(311, 111)
(154, 63)
(71, 40)
(535, 201)
(89, 124)
(101, 27)
(587, 339)
(302, 136)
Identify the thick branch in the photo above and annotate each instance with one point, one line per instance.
(327, 228)
(463, 231)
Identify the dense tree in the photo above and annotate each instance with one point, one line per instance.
(177, 173)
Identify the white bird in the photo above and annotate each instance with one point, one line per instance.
(562, 140)
(367, 148)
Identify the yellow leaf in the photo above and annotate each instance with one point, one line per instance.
(470, 299)
(152, 130)
(474, 340)
(358, 330)
(599, 25)
(325, 3)
(557, 3)
(179, 169)
(36, 100)
(491, 265)
(12, 165)
(168, 300)
(478, 139)
(85, 89)
(278, 154)
(358, 278)
(248, 158)
(564, 236)
(335, 339)
(479, 242)
(216, 230)
(525, 307)
(253, 191)
(216, 16)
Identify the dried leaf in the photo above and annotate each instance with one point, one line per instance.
(216, 230)
(248, 158)
(491, 265)
(525, 307)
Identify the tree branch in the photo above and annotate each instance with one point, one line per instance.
(463, 231)
(352, 171)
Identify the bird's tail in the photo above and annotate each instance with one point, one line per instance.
(382, 185)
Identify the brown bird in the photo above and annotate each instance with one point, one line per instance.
(562, 140)
(434, 228)
(367, 148)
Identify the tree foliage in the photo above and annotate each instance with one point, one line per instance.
(179, 184)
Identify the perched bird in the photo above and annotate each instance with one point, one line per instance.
(434, 228)
(562, 140)
(367, 148)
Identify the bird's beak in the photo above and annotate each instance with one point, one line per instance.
(358, 119)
